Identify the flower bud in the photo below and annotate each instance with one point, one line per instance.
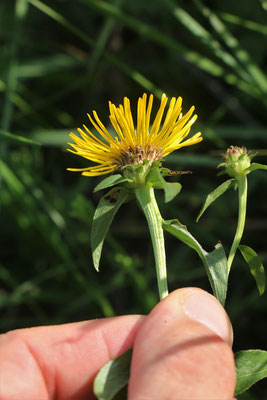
(236, 161)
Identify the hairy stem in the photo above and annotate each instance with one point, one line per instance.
(146, 198)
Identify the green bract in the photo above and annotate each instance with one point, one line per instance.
(136, 173)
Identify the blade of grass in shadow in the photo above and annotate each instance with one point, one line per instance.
(244, 23)
(133, 74)
(16, 138)
(234, 132)
(19, 101)
(19, 14)
(206, 38)
(159, 37)
(39, 67)
(130, 267)
(34, 106)
(102, 39)
(256, 75)
(192, 160)
(27, 102)
(41, 103)
(264, 4)
(8, 279)
(52, 235)
(101, 42)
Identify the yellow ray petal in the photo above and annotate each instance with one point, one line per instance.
(166, 135)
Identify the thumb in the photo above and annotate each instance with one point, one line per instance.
(183, 350)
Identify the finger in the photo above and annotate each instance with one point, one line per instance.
(182, 350)
(60, 362)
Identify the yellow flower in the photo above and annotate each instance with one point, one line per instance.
(130, 145)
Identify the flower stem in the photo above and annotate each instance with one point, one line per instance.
(242, 206)
(146, 198)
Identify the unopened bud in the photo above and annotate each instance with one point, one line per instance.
(236, 161)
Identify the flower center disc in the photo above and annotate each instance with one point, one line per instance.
(139, 154)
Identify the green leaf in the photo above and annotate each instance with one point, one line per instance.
(155, 178)
(111, 181)
(215, 194)
(251, 366)
(215, 262)
(11, 137)
(255, 265)
(171, 189)
(255, 166)
(104, 214)
(113, 376)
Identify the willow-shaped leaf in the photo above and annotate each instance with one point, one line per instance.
(215, 262)
(111, 181)
(113, 376)
(215, 194)
(251, 366)
(255, 265)
(104, 214)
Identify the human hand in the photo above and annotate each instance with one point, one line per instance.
(182, 350)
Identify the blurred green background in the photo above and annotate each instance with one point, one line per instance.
(59, 60)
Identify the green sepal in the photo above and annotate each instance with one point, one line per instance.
(156, 180)
(103, 216)
(110, 181)
(251, 366)
(139, 169)
(156, 164)
(113, 377)
(255, 166)
(255, 265)
(212, 196)
(214, 262)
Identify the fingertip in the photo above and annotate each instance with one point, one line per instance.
(183, 347)
(204, 308)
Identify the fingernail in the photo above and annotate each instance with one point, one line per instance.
(204, 308)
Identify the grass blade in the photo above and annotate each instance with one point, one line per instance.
(135, 75)
(11, 137)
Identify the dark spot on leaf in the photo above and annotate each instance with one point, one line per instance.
(112, 198)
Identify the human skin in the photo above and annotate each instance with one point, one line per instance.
(181, 350)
